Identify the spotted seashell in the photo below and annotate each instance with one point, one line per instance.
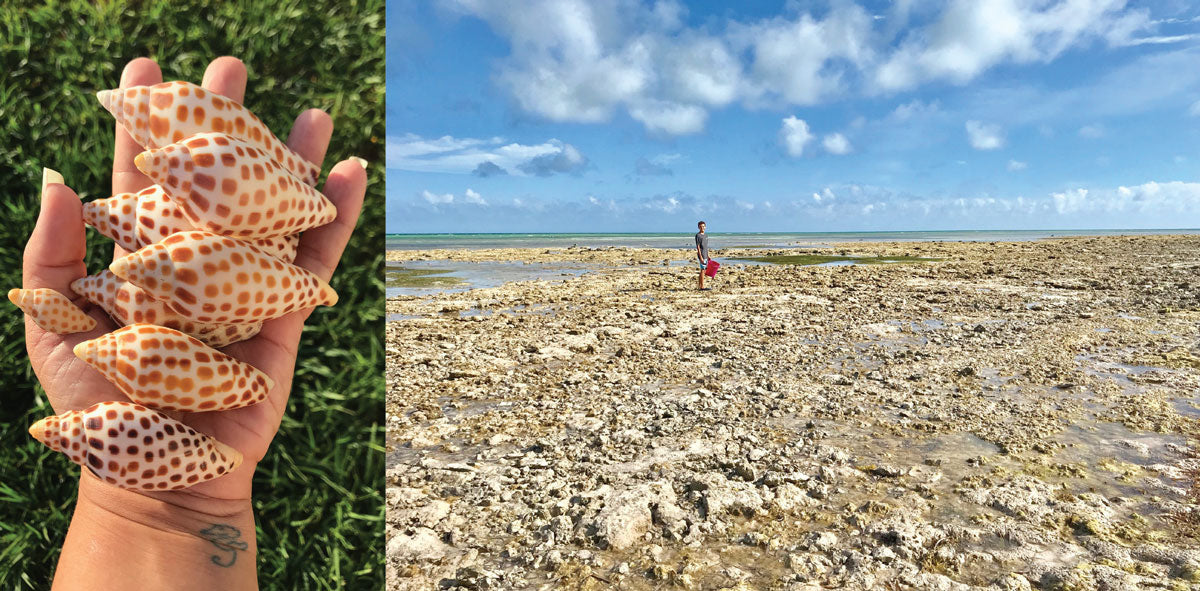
(211, 278)
(171, 111)
(127, 304)
(134, 447)
(228, 187)
(165, 369)
(52, 311)
(134, 220)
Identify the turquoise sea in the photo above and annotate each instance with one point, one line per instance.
(735, 239)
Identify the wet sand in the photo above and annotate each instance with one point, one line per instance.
(1013, 416)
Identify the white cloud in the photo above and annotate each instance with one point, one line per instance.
(836, 143)
(971, 36)
(483, 157)
(1194, 110)
(983, 136)
(794, 135)
(1145, 205)
(472, 197)
(1015, 165)
(802, 59)
(585, 61)
(668, 117)
(1091, 131)
(565, 159)
(1069, 201)
(436, 199)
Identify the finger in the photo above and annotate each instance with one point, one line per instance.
(321, 248)
(310, 135)
(54, 258)
(226, 76)
(126, 177)
(54, 254)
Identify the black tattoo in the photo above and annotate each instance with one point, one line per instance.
(226, 538)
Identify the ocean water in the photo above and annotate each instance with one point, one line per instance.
(734, 239)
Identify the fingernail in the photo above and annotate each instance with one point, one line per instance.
(360, 161)
(50, 176)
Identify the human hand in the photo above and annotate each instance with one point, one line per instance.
(54, 258)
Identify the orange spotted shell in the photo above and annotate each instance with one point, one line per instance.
(134, 220)
(134, 447)
(168, 370)
(171, 111)
(127, 304)
(52, 311)
(211, 278)
(228, 187)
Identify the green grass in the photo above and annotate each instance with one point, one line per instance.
(319, 491)
(401, 277)
(818, 259)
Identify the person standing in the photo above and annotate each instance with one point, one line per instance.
(702, 250)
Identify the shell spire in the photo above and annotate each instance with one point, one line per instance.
(228, 187)
(134, 220)
(134, 447)
(52, 311)
(168, 370)
(127, 304)
(115, 217)
(211, 278)
(168, 112)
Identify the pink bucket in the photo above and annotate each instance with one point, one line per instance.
(711, 269)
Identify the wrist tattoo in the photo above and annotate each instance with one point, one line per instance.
(226, 538)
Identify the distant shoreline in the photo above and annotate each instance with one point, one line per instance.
(432, 241)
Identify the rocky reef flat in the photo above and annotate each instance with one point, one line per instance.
(1008, 416)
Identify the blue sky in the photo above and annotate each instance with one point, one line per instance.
(626, 116)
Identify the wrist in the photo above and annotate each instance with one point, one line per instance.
(178, 511)
(161, 540)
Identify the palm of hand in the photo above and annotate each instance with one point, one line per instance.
(54, 258)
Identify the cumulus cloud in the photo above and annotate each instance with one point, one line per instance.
(971, 36)
(435, 199)
(1015, 165)
(843, 207)
(482, 157)
(1148, 198)
(836, 143)
(669, 118)
(794, 135)
(469, 197)
(472, 197)
(488, 168)
(566, 159)
(585, 61)
(802, 59)
(984, 136)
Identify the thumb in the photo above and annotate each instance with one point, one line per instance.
(54, 254)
